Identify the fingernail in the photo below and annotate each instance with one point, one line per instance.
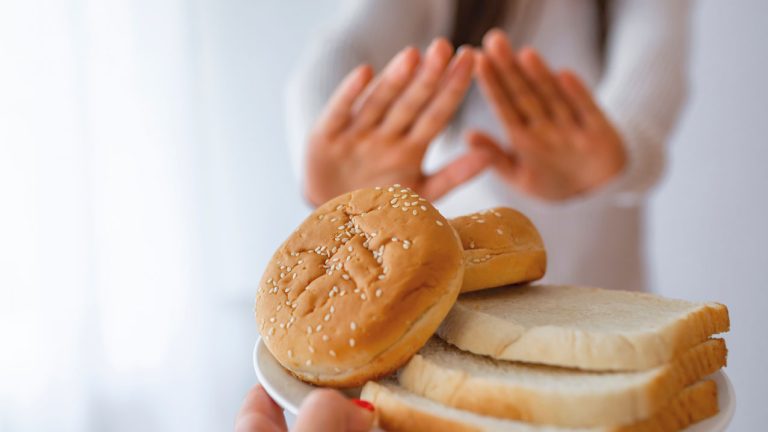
(363, 404)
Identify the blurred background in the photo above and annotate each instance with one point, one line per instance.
(145, 182)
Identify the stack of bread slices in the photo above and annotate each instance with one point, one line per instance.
(440, 322)
(553, 358)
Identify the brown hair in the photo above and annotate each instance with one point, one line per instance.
(473, 18)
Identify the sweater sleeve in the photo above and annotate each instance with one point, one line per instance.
(367, 31)
(644, 86)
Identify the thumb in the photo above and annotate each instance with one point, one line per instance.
(504, 163)
(328, 410)
(457, 172)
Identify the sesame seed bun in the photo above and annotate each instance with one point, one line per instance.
(501, 247)
(359, 286)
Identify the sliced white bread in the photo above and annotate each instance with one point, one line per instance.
(402, 411)
(549, 395)
(586, 328)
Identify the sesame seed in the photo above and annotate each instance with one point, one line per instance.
(381, 277)
(331, 293)
(289, 269)
(311, 349)
(472, 244)
(295, 305)
(327, 317)
(294, 276)
(343, 293)
(349, 248)
(272, 319)
(353, 325)
(397, 185)
(393, 200)
(325, 338)
(415, 212)
(269, 280)
(290, 354)
(378, 292)
(308, 362)
(279, 307)
(345, 276)
(333, 309)
(282, 275)
(309, 329)
(423, 208)
(319, 327)
(394, 239)
(362, 296)
(499, 231)
(377, 188)
(439, 223)
(301, 262)
(271, 331)
(341, 227)
(352, 342)
(395, 205)
(391, 189)
(282, 325)
(332, 353)
(404, 209)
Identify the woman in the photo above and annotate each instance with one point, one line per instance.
(576, 150)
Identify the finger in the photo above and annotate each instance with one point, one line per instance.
(386, 88)
(540, 77)
(420, 90)
(503, 163)
(328, 410)
(580, 97)
(493, 90)
(458, 172)
(260, 413)
(336, 114)
(443, 105)
(500, 53)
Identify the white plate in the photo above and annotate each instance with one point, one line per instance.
(289, 391)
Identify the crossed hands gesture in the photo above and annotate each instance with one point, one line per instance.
(376, 129)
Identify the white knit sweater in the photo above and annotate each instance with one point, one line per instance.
(595, 239)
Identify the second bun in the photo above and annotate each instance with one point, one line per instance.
(501, 247)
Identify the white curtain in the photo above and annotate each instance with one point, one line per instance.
(138, 142)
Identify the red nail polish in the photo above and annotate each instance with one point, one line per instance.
(363, 404)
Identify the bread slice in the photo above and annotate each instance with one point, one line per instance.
(550, 395)
(586, 328)
(401, 410)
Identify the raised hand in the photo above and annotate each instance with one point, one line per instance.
(376, 131)
(562, 144)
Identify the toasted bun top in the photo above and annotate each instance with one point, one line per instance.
(496, 231)
(353, 278)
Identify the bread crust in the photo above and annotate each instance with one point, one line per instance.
(501, 247)
(471, 329)
(693, 404)
(498, 397)
(359, 286)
